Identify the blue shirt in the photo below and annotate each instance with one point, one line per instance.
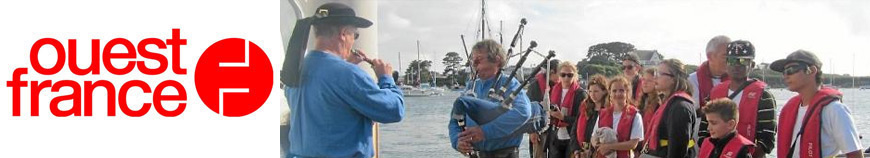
(333, 109)
(498, 132)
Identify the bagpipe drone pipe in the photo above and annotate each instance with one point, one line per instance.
(483, 111)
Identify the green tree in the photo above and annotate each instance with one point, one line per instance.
(610, 52)
(453, 63)
(415, 67)
(604, 58)
(691, 68)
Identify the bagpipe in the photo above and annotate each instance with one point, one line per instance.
(500, 97)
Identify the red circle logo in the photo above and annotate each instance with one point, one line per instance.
(233, 77)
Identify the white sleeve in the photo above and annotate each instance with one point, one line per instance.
(693, 79)
(594, 135)
(637, 128)
(838, 121)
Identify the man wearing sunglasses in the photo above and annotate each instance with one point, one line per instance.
(756, 106)
(815, 123)
(335, 103)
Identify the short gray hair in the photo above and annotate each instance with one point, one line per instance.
(494, 52)
(716, 42)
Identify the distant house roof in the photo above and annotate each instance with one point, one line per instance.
(646, 55)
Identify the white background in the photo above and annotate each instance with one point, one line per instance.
(197, 132)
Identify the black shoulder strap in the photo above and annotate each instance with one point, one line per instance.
(740, 89)
(291, 69)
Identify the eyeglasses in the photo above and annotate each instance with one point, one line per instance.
(625, 67)
(738, 61)
(795, 68)
(657, 74)
(566, 74)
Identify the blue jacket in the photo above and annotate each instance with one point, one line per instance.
(498, 132)
(332, 111)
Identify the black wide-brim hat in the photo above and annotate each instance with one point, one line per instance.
(339, 14)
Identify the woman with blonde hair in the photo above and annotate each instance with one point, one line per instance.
(623, 117)
(566, 96)
(597, 99)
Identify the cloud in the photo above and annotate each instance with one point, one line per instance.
(678, 29)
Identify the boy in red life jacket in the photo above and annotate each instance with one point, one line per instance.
(724, 141)
(755, 105)
(815, 123)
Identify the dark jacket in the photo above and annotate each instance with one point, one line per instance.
(677, 126)
(534, 91)
(579, 96)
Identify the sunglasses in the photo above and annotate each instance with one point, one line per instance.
(657, 74)
(738, 61)
(626, 67)
(566, 74)
(795, 69)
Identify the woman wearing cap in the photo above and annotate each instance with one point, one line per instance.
(672, 125)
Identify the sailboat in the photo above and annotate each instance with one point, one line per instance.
(423, 89)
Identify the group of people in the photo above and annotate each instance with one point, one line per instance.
(660, 111)
(664, 111)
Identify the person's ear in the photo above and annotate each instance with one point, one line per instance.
(812, 70)
(732, 123)
(342, 33)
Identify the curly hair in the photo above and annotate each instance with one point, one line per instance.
(601, 82)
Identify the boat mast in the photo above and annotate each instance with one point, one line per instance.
(419, 64)
(482, 20)
(400, 68)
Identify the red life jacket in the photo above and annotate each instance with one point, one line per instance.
(647, 112)
(748, 106)
(810, 141)
(623, 133)
(542, 82)
(705, 82)
(581, 124)
(566, 103)
(638, 92)
(731, 149)
(652, 138)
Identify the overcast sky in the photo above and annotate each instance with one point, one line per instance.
(834, 30)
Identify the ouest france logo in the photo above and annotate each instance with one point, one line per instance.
(233, 77)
